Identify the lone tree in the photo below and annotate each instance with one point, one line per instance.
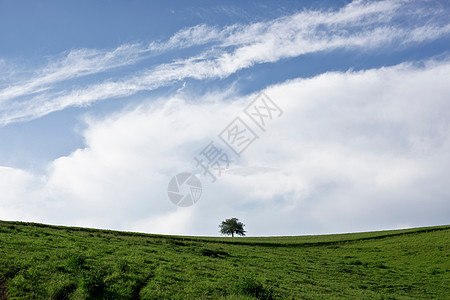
(232, 226)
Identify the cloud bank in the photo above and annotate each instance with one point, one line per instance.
(367, 150)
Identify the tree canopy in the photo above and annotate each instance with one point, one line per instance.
(232, 226)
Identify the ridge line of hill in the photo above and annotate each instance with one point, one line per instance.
(248, 240)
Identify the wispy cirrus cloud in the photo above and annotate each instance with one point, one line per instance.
(192, 36)
(75, 63)
(358, 25)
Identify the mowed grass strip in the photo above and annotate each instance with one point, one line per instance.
(39, 261)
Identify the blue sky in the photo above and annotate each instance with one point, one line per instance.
(101, 103)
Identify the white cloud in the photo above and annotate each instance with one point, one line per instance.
(353, 151)
(188, 37)
(19, 196)
(75, 63)
(357, 26)
(177, 222)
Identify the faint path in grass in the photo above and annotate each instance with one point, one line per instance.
(302, 241)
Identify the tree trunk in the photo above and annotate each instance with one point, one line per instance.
(232, 234)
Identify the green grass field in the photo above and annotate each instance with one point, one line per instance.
(51, 262)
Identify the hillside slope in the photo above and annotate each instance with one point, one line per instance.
(41, 261)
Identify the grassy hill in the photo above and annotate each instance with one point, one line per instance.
(52, 262)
